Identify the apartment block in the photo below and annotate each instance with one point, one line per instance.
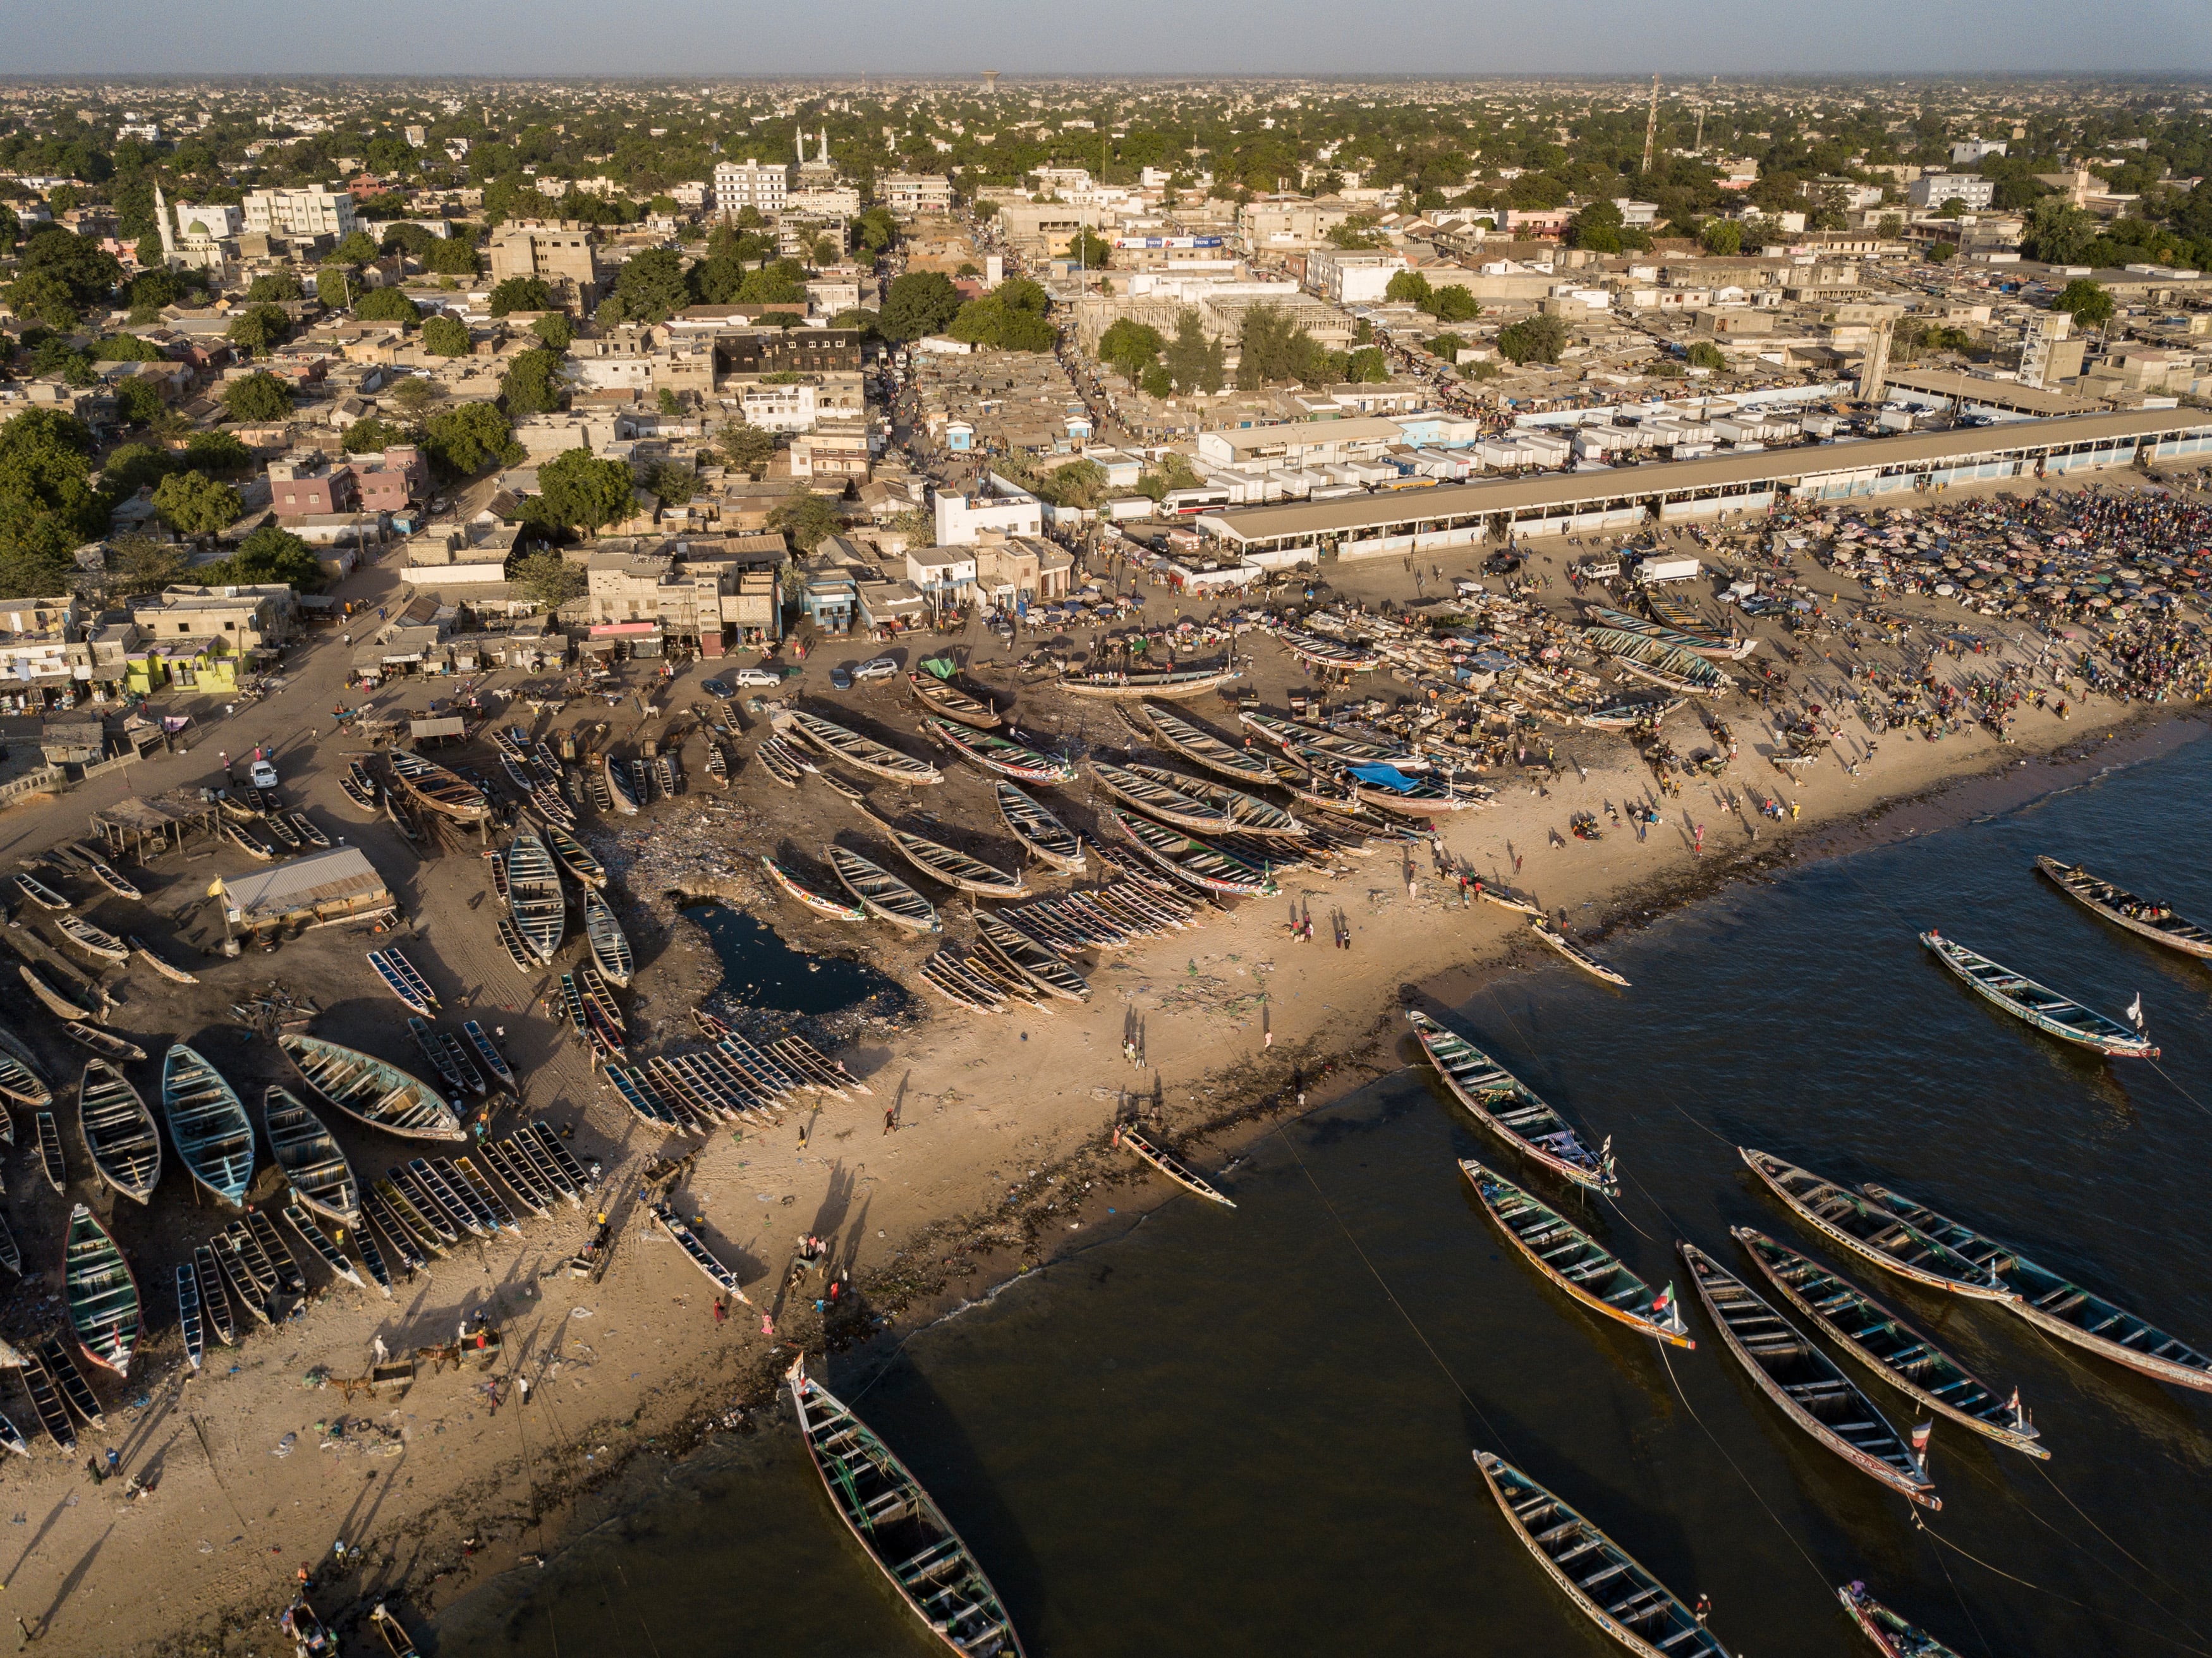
(303, 214)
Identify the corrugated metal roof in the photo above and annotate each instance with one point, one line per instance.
(322, 878)
(1766, 467)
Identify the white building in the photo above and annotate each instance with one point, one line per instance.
(908, 194)
(214, 219)
(1934, 188)
(780, 408)
(315, 211)
(1359, 277)
(759, 184)
(1967, 151)
(960, 518)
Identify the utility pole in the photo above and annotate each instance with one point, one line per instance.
(1651, 126)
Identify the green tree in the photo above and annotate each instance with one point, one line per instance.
(447, 336)
(1722, 238)
(1447, 346)
(371, 436)
(1089, 250)
(1367, 366)
(919, 303)
(60, 276)
(450, 256)
(875, 230)
(549, 578)
(1941, 253)
(578, 491)
(337, 286)
(746, 448)
(1597, 227)
(259, 330)
(387, 305)
(1131, 346)
(668, 403)
(1011, 318)
(1156, 382)
(274, 288)
(1194, 362)
(48, 507)
(1271, 347)
(651, 287)
(260, 395)
(465, 438)
(413, 396)
(533, 383)
(1453, 303)
(1080, 484)
(1539, 338)
(1704, 353)
(135, 466)
(140, 564)
(2058, 233)
(150, 290)
(1356, 233)
(2090, 304)
(194, 505)
(520, 294)
(807, 519)
(356, 248)
(868, 322)
(124, 348)
(1889, 227)
(556, 329)
(138, 400)
(674, 482)
(270, 556)
(219, 454)
(1174, 471)
(1409, 288)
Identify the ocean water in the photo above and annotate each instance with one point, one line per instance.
(1249, 1432)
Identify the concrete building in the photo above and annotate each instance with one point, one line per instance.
(1357, 277)
(915, 195)
(564, 254)
(302, 215)
(1934, 188)
(762, 186)
(961, 520)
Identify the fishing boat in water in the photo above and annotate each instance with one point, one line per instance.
(209, 1125)
(313, 1163)
(1510, 1108)
(1168, 1164)
(1909, 1360)
(1001, 754)
(953, 703)
(1893, 1636)
(2040, 1006)
(2144, 917)
(820, 903)
(2050, 1303)
(1575, 953)
(435, 789)
(1871, 1231)
(901, 1529)
(118, 1131)
(883, 894)
(1575, 1261)
(403, 980)
(534, 896)
(1046, 837)
(864, 753)
(370, 1090)
(1604, 1580)
(1805, 1383)
(101, 1292)
(610, 945)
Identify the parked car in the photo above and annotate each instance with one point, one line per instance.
(762, 677)
(841, 679)
(717, 689)
(881, 667)
(262, 775)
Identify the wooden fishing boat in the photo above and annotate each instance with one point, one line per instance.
(776, 759)
(2144, 917)
(283, 1262)
(2051, 1304)
(601, 999)
(71, 1381)
(441, 1061)
(108, 876)
(1663, 664)
(1042, 967)
(188, 1314)
(168, 970)
(1628, 710)
(10, 1256)
(621, 788)
(1330, 655)
(360, 788)
(948, 974)
(1886, 1344)
(118, 1131)
(1197, 862)
(408, 1247)
(1874, 1232)
(435, 789)
(510, 938)
(1247, 814)
(1805, 1383)
(20, 1082)
(1046, 837)
(40, 894)
(370, 1090)
(312, 1160)
(718, 765)
(286, 834)
(1204, 749)
(574, 857)
(952, 702)
(1575, 1261)
(517, 776)
(1892, 1636)
(1000, 754)
(461, 1065)
(214, 1297)
(851, 791)
(94, 941)
(864, 753)
(2038, 1004)
(102, 1294)
(1410, 794)
(956, 868)
(545, 800)
(1320, 747)
(1510, 1108)
(496, 862)
(882, 894)
(1121, 685)
(611, 951)
(208, 1124)
(903, 1531)
(46, 1401)
(1160, 794)
(246, 1270)
(403, 980)
(1730, 647)
(321, 1246)
(1168, 1164)
(50, 1163)
(695, 1251)
(534, 896)
(1604, 1580)
(61, 1006)
(103, 1042)
(667, 776)
(495, 1062)
(1575, 953)
(305, 830)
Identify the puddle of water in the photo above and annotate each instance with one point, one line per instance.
(760, 970)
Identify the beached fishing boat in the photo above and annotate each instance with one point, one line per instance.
(40, 894)
(94, 941)
(1021, 954)
(952, 702)
(106, 874)
(695, 1251)
(1189, 859)
(510, 940)
(1000, 754)
(534, 896)
(70, 1382)
(11, 1257)
(102, 1294)
(61, 1006)
(1804, 1381)
(611, 951)
(776, 759)
(863, 753)
(601, 997)
(1604, 1580)
(118, 1131)
(1168, 1164)
(517, 776)
(1204, 749)
(1410, 794)
(188, 1314)
(718, 765)
(495, 1062)
(285, 1265)
(214, 1297)
(622, 789)
(1663, 664)
(882, 894)
(360, 788)
(286, 834)
(305, 829)
(545, 800)
(1575, 1261)
(168, 970)
(46, 1400)
(1247, 814)
(20, 1083)
(1629, 710)
(1730, 647)
(1160, 794)
(1123, 684)
(1029, 822)
(209, 1125)
(403, 979)
(370, 1090)
(820, 903)
(2144, 917)
(903, 1531)
(1510, 1108)
(435, 789)
(574, 857)
(2038, 1004)
(955, 868)
(948, 974)
(1872, 1231)
(2050, 1303)
(1892, 1636)
(1320, 747)
(1330, 655)
(428, 1040)
(1909, 1360)
(319, 1245)
(48, 1134)
(312, 1160)
(1575, 953)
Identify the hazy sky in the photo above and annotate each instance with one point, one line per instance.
(1317, 37)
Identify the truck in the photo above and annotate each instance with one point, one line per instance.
(1653, 570)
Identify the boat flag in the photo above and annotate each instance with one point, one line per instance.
(2135, 1011)
(2018, 1416)
(1662, 1304)
(1920, 1443)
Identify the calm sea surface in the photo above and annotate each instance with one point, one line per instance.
(1219, 1434)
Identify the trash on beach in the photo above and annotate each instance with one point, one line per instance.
(284, 1445)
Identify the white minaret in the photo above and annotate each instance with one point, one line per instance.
(161, 218)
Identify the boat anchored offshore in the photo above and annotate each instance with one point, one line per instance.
(1893, 1636)
(1575, 1261)
(2040, 1006)
(1870, 1231)
(2142, 916)
(1508, 1108)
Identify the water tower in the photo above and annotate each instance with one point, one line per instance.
(990, 83)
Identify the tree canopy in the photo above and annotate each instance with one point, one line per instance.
(650, 288)
(259, 329)
(533, 383)
(1539, 338)
(60, 276)
(1131, 346)
(194, 505)
(447, 336)
(578, 491)
(467, 437)
(919, 303)
(1011, 318)
(2090, 304)
(268, 557)
(1273, 347)
(549, 578)
(520, 294)
(556, 329)
(48, 507)
(748, 449)
(257, 396)
(807, 519)
(387, 305)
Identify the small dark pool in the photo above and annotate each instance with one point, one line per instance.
(760, 970)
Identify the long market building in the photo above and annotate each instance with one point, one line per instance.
(1735, 485)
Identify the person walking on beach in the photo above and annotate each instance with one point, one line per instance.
(891, 1117)
(522, 1390)
(720, 1312)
